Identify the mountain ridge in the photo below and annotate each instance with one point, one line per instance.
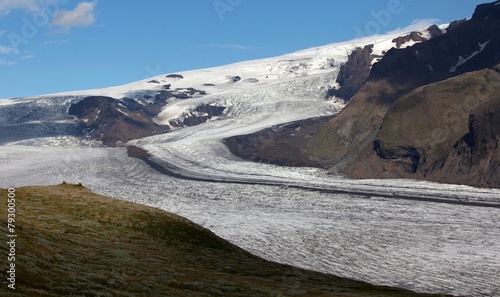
(348, 140)
(168, 102)
(353, 143)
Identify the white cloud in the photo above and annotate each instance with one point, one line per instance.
(8, 63)
(56, 42)
(81, 16)
(7, 50)
(27, 57)
(2, 33)
(417, 25)
(227, 46)
(7, 6)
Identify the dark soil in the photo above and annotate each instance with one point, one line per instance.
(286, 145)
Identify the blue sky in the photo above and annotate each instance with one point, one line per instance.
(49, 46)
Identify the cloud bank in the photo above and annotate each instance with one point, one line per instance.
(81, 16)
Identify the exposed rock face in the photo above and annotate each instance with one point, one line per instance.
(354, 73)
(112, 121)
(455, 24)
(184, 93)
(434, 31)
(475, 159)
(413, 36)
(202, 114)
(115, 121)
(235, 78)
(407, 156)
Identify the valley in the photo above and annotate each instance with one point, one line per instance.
(294, 161)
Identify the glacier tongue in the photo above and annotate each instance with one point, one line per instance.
(428, 247)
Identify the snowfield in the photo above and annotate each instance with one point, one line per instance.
(306, 217)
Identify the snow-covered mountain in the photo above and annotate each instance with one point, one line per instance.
(271, 91)
(417, 235)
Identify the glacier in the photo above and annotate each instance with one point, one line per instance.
(377, 231)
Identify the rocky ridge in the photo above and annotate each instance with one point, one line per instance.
(116, 121)
(359, 134)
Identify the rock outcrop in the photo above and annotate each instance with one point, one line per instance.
(434, 31)
(201, 114)
(177, 76)
(413, 36)
(115, 121)
(353, 74)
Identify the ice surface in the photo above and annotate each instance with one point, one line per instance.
(428, 247)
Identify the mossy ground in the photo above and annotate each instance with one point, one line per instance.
(72, 242)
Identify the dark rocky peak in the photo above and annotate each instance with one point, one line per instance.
(416, 36)
(434, 31)
(413, 36)
(473, 45)
(455, 24)
(353, 73)
(483, 11)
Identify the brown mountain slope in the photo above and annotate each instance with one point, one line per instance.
(446, 131)
(349, 138)
(71, 242)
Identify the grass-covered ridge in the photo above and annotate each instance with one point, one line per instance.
(72, 242)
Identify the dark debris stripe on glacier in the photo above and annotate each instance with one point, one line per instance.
(172, 170)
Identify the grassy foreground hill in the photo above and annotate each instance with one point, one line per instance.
(72, 242)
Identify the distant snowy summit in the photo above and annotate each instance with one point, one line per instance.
(168, 102)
